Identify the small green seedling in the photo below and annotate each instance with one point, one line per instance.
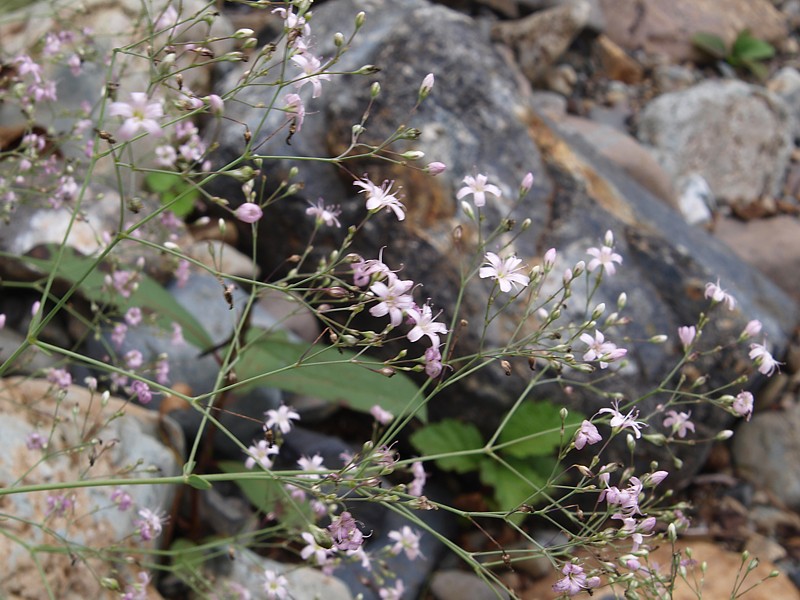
(746, 52)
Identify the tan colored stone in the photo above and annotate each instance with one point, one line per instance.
(666, 28)
(89, 440)
(616, 63)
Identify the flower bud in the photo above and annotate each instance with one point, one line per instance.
(375, 90)
(622, 301)
(506, 367)
(338, 39)
(243, 33)
(413, 155)
(436, 168)
(368, 70)
(723, 435)
(527, 183)
(609, 238)
(549, 259)
(360, 19)
(467, 208)
(426, 87)
(658, 339)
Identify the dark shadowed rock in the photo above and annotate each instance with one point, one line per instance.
(478, 119)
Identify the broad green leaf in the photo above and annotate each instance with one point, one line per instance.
(711, 44)
(448, 436)
(746, 47)
(538, 427)
(323, 372)
(269, 496)
(511, 489)
(169, 186)
(186, 555)
(149, 295)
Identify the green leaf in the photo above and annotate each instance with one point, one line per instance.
(149, 295)
(511, 489)
(749, 48)
(198, 482)
(449, 436)
(538, 427)
(756, 68)
(268, 495)
(169, 186)
(323, 372)
(186, 555)
(711, 44)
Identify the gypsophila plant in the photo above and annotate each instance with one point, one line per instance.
(111, 181)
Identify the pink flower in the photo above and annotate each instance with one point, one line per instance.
(393, 593)
(587, 434)
(425, 325)
(311, 67)
(427, 85)
(420, 476)
(433, 362)
(504, 272)
(604, 257)
(346, 534)
(717, 295)
(600, 350)
(142, 392)
(59, 504)
(620, 421)
(122, 499)
(526, 185)
(406, 540)
(133, 316)
(574, 580)
(380, 197)
(752, 329)
(215, 103)
(59, 377)
(679, 422)
(295, 106)
(150, 524)
(549, 259)
(325, 214)
(394, 299)
(478, 186)
(765, 362)
(363, 270)
(743, 405)
(382, 416)
(35, 441)
(133, 359)
(687, 335)
(139, 113)
(311, 464)
(657, 477)
(249, 212)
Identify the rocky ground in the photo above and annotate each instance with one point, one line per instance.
(619, 82)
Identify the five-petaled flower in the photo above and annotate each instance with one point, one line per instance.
(604, 257)
(425, 325)
(620, 421)
(281, 417)
(394, 298)
(504, 272)
(311, 67)
(150, 524)
(679, 422)
(478, 186)
(325, 214)
(139, 113)
(379, 197)
(600, 350)
(742, 405)
(260, 454)
(766, 363)
(406, 540)
(587, 434)
(275, 585)
(574, 580)
(717, 295)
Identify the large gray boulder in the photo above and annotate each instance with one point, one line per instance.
(478, 119)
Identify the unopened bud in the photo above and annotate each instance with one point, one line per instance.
(360, 19)
(250, 43)
(436, 168)
(387, 371)
(357, 130)
(413, 155)
(243, 33)
(506, 367)
(338, 39)
(723, 435)
(337, 292)
(525, 224)
(526, 185)
(584, 471)
(622, 301)
(564, 413)
(657, 439)
(598, 310)
(467, 208)
(426, 87)
(609, 238)
(658, 339)
(630, 442)
(368, 70)
(672, 532)
(375, 90)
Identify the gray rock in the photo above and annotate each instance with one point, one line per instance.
(737, 136)
(477, 118)
(540, 39)
(673, 78)
(786, 84)
(765, 452)
(454, 584)
(246, 573)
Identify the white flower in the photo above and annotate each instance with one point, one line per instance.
(604, 257)
(504, 272)
(281, 417)
(717, 294)
(325, 214)
(379, 197)
(275, 585)
(260, 454)
(406, 540)
(394, 299)
(425, 325)
(139, 113)
(311, 67)
(478, 187)
(767, 365)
